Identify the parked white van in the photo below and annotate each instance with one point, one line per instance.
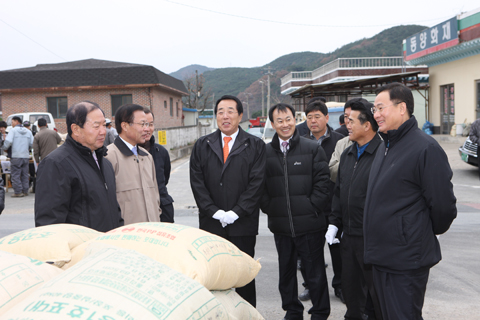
(33, 118)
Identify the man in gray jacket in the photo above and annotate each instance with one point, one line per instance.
(21, 140)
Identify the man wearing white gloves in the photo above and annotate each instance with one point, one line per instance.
(227, 173)
(347, 211)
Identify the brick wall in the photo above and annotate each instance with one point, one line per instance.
(154, 97)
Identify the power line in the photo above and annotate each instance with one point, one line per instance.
(23, 34)
(299, 24)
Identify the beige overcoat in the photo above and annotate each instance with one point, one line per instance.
(137, 190)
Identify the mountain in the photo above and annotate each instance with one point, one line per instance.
(189, 70)
(244, 82)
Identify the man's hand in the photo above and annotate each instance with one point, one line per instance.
(220, 215)
(230, 217)
(331, 234)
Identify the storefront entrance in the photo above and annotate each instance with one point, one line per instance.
(448, 108)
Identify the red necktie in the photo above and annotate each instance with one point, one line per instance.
(226, 150)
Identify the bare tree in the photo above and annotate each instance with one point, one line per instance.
(198, 97)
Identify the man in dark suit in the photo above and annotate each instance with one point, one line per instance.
(227, 173)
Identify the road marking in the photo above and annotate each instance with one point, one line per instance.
(180, 166)
(466, 186)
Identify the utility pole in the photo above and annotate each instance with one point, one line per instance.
(248, 106)
(268, 84)
(263, 107)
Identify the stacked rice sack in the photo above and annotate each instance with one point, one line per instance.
(125, 263)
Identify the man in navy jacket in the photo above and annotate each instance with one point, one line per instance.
(409, 201)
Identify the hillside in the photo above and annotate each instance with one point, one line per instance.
(244, 81)
(189, 70)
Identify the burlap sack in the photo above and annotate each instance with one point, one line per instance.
(20, 276)
(209, 259)
(51, 243)
(237, 308)
(113, 283)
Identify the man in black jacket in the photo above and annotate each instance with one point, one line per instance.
(409, 200)
(75, 184)
(347, 211)
(320, 131)
(162, 169)
(227, 173)
(295, 196)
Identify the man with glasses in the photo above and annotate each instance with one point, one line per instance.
(162, 169)
(75, 184)
(227, 173)
(137, 190)
(409, 201)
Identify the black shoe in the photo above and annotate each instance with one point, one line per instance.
(305, 295)
(338, 294)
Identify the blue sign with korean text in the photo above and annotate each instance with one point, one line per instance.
(436, 38)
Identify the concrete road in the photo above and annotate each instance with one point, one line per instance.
(454, 287)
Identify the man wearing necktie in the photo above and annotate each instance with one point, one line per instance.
(295, 196)
(227, 175)
(137, 189)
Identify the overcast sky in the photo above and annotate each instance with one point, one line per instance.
(173, 34)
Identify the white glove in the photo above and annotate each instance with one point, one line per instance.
(230, 217)
(331, 234)
(220, 215)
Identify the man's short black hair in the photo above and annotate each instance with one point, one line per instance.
(229, 97)
(322, 99)
(283, 107)
(316, 106)
(341, 119)
(77, 114)
(147, 111)
(18, 119)
(3, 124)
(125, 114)
(42, 122)
(349, 102)
(399, 93)
(365, 109)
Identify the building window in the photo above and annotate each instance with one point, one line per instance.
(119, 100)
(57, 106)
(177, 109)
(165, 103)
(171, 107)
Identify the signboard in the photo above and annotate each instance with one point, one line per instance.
(162, 137)
(430, 40)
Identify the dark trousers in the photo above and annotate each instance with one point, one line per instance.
(167, 212)
(401, 294)
(309, 248)
(357, 280)
(336, 256)
(247, 245)
(19, 175)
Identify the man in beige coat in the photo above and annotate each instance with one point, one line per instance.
(137, 190)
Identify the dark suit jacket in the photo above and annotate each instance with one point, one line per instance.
(234, 185)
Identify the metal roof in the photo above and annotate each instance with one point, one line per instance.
(358, 86)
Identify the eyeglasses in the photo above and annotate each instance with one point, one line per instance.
(380, 109)
(144, 124)
(229, 112)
